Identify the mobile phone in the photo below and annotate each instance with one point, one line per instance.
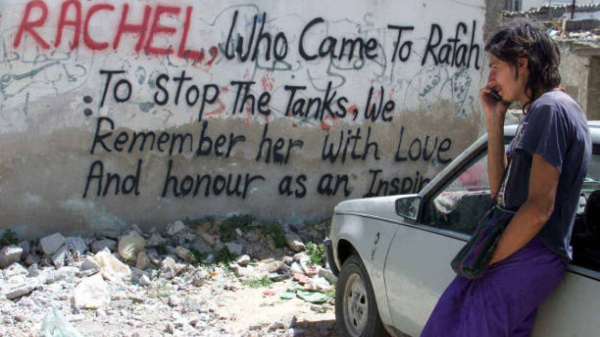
(494, 94)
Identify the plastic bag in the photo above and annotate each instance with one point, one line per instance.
(56, 325)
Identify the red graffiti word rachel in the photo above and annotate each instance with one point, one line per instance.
(72, 16)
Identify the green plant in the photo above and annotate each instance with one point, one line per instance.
(224, 256)
(316, 253)
(161, 249)
(196, 258)
(264, 281)
(8, 238)
(228, 226)
(275, 231)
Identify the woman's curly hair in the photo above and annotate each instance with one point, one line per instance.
(512, 43)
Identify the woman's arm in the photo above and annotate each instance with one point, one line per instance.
(535, 212)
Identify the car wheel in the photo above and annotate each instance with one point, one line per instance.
(356, 312)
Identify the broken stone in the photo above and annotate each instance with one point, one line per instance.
(64, 273)
(234, 248)
(168, 263)
(58, 258)
(130, 246)
(10, 255)
(174, 301)
(134, 228)
(25, 246)
(33, 271)
(328, 275)
(76, 244)
(208, 239)
(111, 233)
(50, 244)
(183, 253)
(143, 261)
(89, 263)
(201, 246)
(243, 260)
(145, 280)
(32, 259)
(15, 269)
(238, 231)
(92, 293)
(153, 256)
(98, 246)
(112, 269)
(174, 228)
(155, 240)
(275, 266)
(294, 242)
(21, 290)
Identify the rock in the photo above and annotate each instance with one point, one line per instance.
(243, 260)
(10, 255)
(15, 269)
(134, 228)
(153, 256)
(58, 258)
(145, 281)
(143, 261)
(294, 242)
(33, 271)
(21, 290)
(130, 246)
(205, 227)
(328, 275)
(168, 263)
(76, 244)
(64, 273)
(248, 272)
(208, 239)
(112, 269)
(275, 266)
(201, 246)
(50, 244)
(89, 263)
(92, 293)
(174, 228)
(234, 248)
(98, 246)
(32, 259)
(183, 253)
(174, 301)
(238, 231)
(112, 233)
(155, 240)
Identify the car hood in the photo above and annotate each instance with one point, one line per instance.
(379, 206)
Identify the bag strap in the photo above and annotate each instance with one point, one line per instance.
(502, 182)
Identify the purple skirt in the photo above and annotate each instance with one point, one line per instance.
(503, 302)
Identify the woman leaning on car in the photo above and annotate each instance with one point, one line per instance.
(545, 166)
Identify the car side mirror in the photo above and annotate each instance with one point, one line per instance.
(408, 207)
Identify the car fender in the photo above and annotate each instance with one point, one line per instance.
(370, 236)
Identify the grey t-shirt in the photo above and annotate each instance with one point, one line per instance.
(554, 128)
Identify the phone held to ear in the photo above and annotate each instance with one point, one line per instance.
(494, 94)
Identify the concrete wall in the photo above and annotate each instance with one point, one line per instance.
(138, 111)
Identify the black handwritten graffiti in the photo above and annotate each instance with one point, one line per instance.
(397, 185)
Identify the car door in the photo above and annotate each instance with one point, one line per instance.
(417, 268)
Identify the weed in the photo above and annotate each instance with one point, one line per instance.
(196, 257)
(274, 229)
(264, 281)
(224, 256)
(316, 253)
(331, 292)
(161, 249)
(194, 224)
(228, 226)
(8, 238)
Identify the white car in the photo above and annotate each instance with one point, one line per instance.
(392, 254)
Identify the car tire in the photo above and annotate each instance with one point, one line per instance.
(356, 312)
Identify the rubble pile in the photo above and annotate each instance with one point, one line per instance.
(189, 280)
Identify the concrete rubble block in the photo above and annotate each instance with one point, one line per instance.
(112, 269)
(89, 263)
(50, 244)
(275, 266)
(143, 261)
(243, 260)
(294, 242)
(65, 273)
(91, 293)
(58, 258)
(145, 281)
(175, 228)
(76, 244)
(99, 245)
(134, 228)
(183, 253)
(155, 240)
(21, 290)
(111, 233)
(10, 255)
(130, 246)
(168, 263)
(234, 248)
(243, 272)
(153, 256)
